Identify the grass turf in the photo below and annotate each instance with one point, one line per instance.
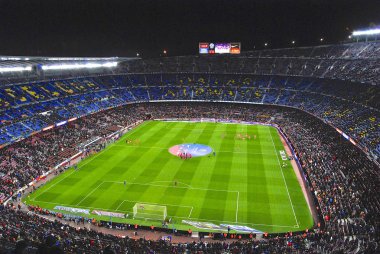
(244, 184)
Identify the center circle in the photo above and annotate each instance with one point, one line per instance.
(196, 150)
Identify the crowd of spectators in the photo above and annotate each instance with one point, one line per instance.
(352, 62)
(344, 182)
(30, 233)
(351, 107)
(337, 83)
(24, 161)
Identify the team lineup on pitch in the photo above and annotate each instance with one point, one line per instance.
(221, 174)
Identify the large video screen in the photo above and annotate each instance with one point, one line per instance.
(219, 48)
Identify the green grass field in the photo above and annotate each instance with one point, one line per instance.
(244, 184)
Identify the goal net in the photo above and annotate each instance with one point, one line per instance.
(149, 212)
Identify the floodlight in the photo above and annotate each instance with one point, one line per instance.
(79, 66)
(15, 69)
(366, 32)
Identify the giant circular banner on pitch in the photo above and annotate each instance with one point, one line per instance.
(195, 150)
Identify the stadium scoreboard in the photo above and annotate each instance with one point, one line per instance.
(209, 48)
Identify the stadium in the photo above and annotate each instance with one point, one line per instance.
(274, 150)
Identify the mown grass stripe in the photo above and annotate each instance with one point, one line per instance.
(207, 184)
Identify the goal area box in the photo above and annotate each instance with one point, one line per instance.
(149, 211)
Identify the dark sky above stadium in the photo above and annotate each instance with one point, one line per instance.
(124, 27)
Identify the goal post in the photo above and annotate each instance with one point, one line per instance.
(149, 211)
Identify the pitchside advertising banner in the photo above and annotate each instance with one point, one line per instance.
(210, 48)
(221, 227)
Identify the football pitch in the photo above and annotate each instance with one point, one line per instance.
(246, 182)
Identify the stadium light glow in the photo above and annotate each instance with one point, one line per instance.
(79, 66)
(78, 58)
(61, 123)
(366, 32)
(15, 69)
(11, 58)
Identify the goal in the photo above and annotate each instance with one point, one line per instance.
(149, 211)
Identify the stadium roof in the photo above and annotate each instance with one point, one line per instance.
(25, 63)
(32, 60)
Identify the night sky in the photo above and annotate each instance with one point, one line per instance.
(124, 27)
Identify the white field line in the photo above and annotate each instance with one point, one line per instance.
(197, 122)
(165, 148)
(85, 163)
(90, 193)
(268, 154)
(189, 187)
(117, 208)
(189, 217)
(211, 122)
(190, 212)
(180, 187)
(237, 206)
(283, 177)
(147, 147)
(204, 130)
(151, 203)
(171, 182)
(156, 185)
(178, 217)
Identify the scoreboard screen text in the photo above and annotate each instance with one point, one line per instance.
(210, 48)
